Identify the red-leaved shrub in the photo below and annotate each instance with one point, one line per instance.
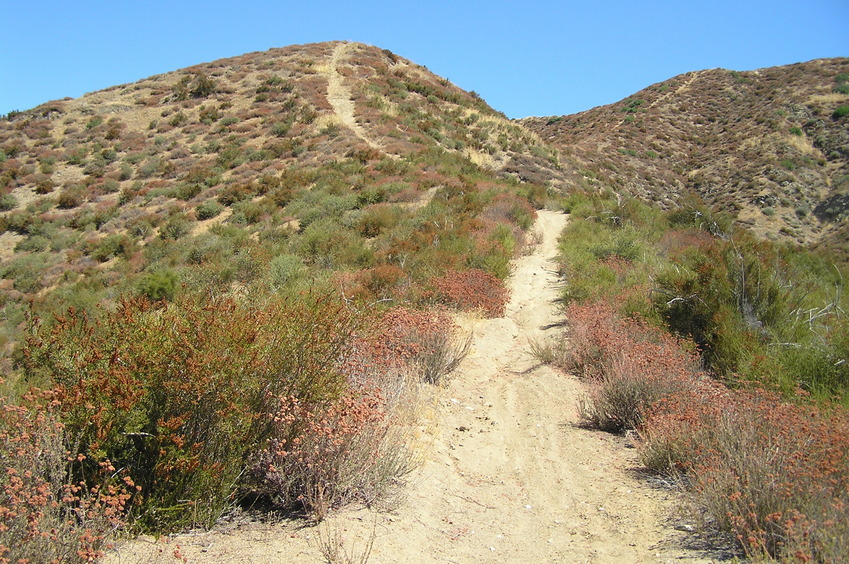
(471, 289)
(773, 475)
(46, 515)
(629, 365)
(329, 454)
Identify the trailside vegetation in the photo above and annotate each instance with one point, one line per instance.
(727, 355)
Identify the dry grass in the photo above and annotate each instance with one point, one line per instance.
(337, 549)
(555, 353)
(834, 98)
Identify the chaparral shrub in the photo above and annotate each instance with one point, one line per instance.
(473, 290)
(179, 394)
(629, 365)
(322, 455)
(49, 512)
(428, 341)
(772, 475)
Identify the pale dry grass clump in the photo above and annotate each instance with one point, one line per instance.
(360, 446)
(556, 353)
(337, 549)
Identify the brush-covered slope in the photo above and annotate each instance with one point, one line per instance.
(305, 104)
(771, 146)
(332, 163)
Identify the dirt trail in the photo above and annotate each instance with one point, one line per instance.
(683, 88)
(339, 96)
(509, 478)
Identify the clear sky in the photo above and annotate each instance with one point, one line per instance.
(524, 58)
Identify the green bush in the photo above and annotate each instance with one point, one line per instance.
(113, 245)
(8, 202)
(840, 112)
(175, 228)
(33, 243)
(378, 218)
(110, 186)
(178, 119)
(208, 210)
(156, 286)
(329, 245)
(199, 85)
(26, 271)
(247, 212)
(281, 128)
(743, 301)
(284, 269)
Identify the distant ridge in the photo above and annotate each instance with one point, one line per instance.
(769, 146)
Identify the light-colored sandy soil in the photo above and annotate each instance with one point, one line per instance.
(339, 96)
(509, 476)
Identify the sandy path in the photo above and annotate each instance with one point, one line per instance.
(509, 479)
(339, 96)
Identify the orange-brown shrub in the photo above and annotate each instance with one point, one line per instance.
(381, 282)
(772, 474)
(427, 341)
(326, 454)
(45, 514)
(510, 208)
(629, 365)
(471, 289)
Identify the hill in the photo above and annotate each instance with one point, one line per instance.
(315, 159)
(180, 177)
(231, 282)
(768, 146)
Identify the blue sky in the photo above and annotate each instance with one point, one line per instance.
(524, 58)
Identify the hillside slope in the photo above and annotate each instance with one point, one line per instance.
(768, 146)
(320, 157)
(339, 169)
